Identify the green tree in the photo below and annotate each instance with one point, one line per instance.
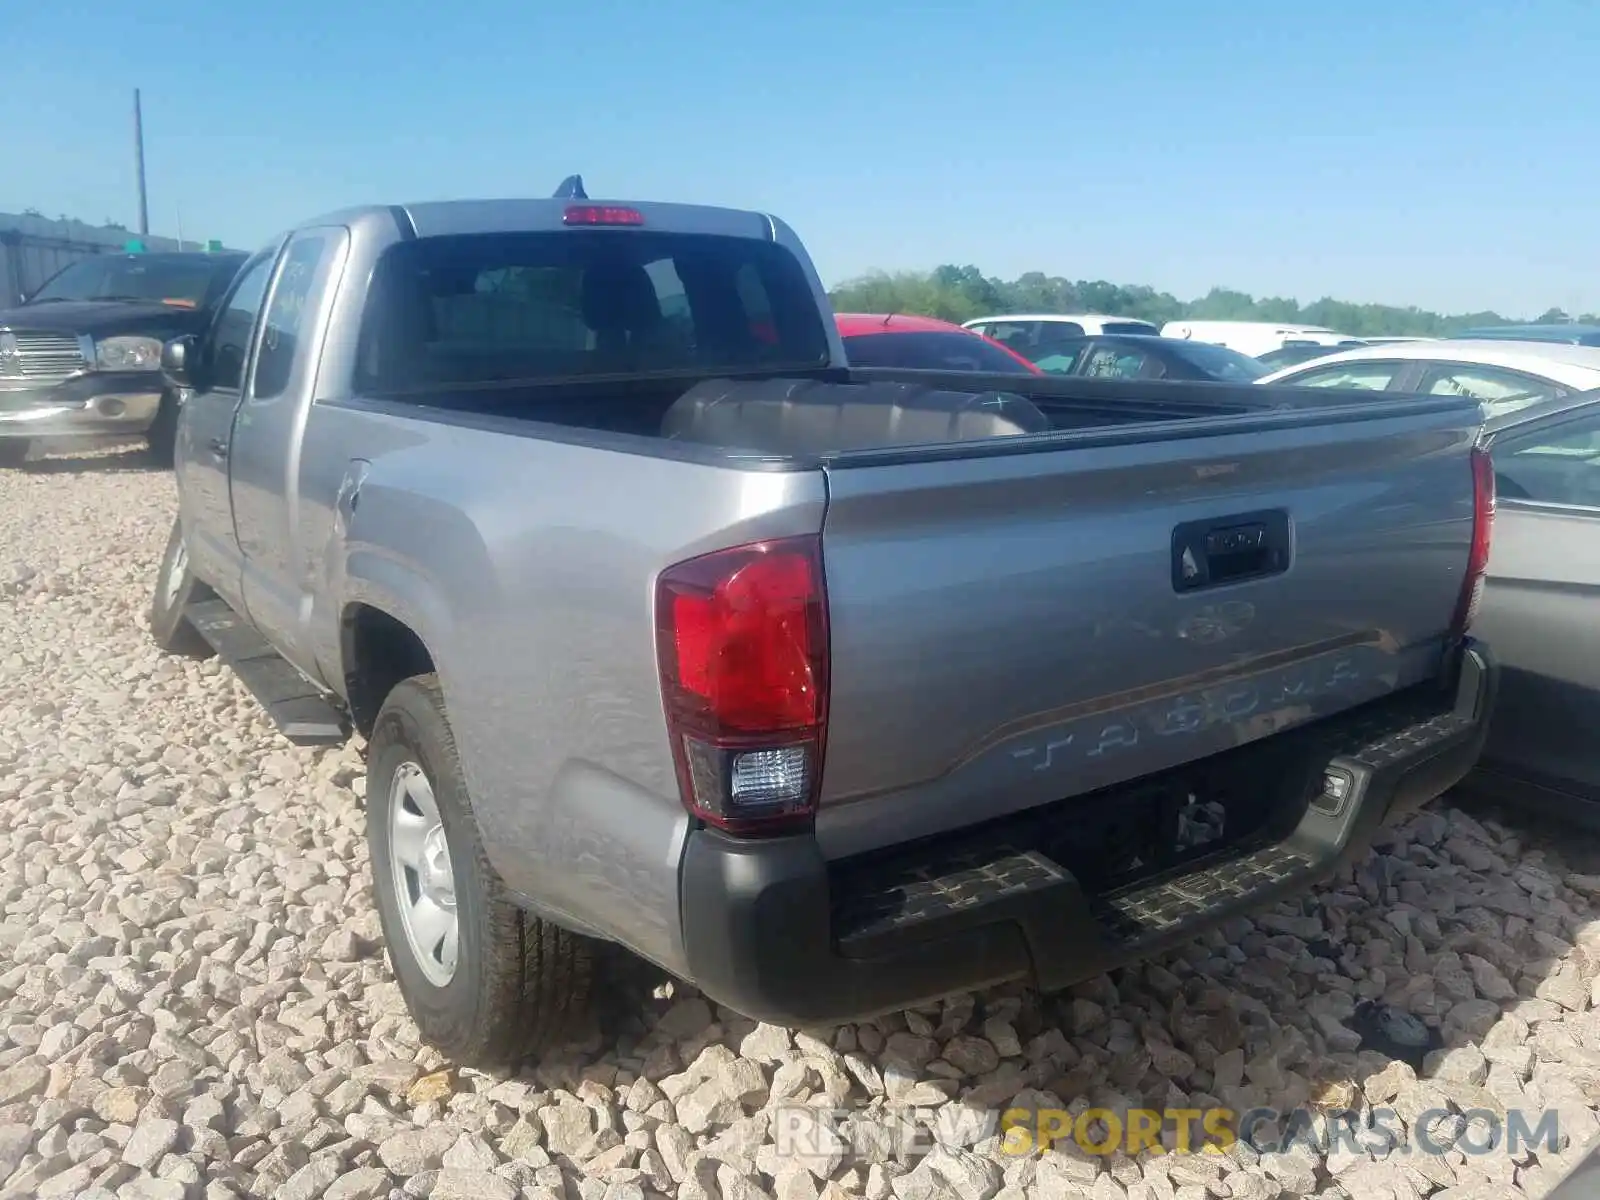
(960, 293)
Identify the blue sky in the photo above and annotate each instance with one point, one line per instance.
(1438, 154)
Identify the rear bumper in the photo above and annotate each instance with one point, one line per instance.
(96, 403)
(775, 932)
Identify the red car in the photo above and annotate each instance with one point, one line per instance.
(924, 344)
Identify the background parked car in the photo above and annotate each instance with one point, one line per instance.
(1572, 334)
(1505, 375)
(1541, 607)
(1031, 334)
(1296, 353)
(1254, 337)
(80, 358)
(1140, 357)
(924, 344)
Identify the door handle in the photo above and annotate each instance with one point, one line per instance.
(218, 447)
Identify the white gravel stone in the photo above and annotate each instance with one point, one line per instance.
(150, 1142)
(363, 1183)
(413, 1151)
(147, 1188)
(193, 1002)
(458, 1184)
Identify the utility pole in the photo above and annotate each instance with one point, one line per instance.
(138, 161)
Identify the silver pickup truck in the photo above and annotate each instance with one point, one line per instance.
(830, 691)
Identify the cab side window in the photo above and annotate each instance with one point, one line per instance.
(1014, 335)
(282, 333)
(227, 344)
(1055, 330)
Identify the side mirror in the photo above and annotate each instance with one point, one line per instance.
(178, 361)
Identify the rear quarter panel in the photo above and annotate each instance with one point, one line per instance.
(528, 568)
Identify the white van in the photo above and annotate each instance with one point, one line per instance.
(1256, 337)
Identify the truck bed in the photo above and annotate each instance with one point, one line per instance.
(630, 412)
(1007, 628)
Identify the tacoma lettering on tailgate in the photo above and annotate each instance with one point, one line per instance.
(1273, 701)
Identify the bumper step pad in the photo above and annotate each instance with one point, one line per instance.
(933, 892)
(926, 891)
(965, 881)
(1199, 898)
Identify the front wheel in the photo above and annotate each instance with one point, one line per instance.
(176, 589)
(486, 983)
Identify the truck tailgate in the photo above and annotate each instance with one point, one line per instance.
(1014, 628)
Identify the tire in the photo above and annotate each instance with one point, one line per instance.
(162, 436)
(176, 588)
(519, 984)
(13, 452)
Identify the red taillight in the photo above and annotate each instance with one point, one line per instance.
(1482, 534)
(601, 214)
(742, 646)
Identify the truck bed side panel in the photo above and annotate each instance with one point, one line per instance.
(528, 567)
(1007, 631)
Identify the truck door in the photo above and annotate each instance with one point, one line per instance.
(270, 511)
(223, 354)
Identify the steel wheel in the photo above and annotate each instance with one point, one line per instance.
(488, 983)
(175, 589)
(424, 879)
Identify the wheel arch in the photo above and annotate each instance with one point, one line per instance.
(377, 650)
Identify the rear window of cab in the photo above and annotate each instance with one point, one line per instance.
(507, 307)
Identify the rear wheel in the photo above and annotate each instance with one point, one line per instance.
(487, 983)
(13, 452)
(176, 589)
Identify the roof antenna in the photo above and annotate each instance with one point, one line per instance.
(571, 189)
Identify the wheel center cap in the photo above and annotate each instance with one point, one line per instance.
(437, 879)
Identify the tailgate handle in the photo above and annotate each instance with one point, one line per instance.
(1230, 549)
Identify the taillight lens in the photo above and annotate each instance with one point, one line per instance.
(1482, 534)
(742, 646)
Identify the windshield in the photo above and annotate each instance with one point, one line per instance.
(930, 352)
(1133, 327)
(1221, 363)
(514, 307)
(181, 280)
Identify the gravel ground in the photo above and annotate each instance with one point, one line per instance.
(194, 1002)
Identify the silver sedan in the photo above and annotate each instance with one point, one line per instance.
(1541, 607)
